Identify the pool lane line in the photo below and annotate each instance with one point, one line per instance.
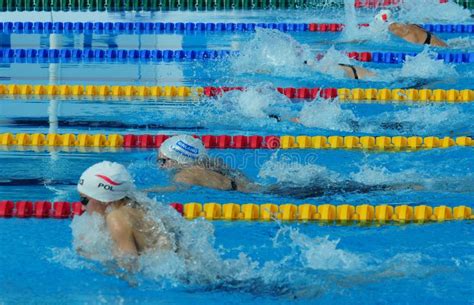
(193, 5)
(41, 142)
(139, 28)
(327, 213)
(193, 94)
(71, 122)
(71, 55)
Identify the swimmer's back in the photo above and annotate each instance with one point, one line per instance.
(415, 34)
(200, 176)
(146, 233)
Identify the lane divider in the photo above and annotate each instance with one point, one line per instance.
(156, 5)
(395, 3)
(181, 27)
(384, 143)
(151, 92)
(364, 94)
(135, 55)
(364, 213)
(105, 91)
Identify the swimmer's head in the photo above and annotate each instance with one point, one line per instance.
(384, 17)
(182, 149)
(105, 182)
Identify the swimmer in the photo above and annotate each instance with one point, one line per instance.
(350, 71)
(107, 189)
(188, 158)
(410, 32)
(191, 166)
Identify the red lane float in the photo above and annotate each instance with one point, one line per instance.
(290, 92)
(6, 208)
(44, 209)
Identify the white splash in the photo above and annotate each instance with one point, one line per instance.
(429, 117)
(327, 114)
(376, 175)
(321, 253)
(329, 63)
(91, 238)
(423, 11)
(271, 52)
(425, 66)
(298, 171)
(256, 101)
(460, 43)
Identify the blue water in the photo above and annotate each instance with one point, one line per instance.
(281, 263)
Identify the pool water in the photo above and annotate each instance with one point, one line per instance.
(257, 262)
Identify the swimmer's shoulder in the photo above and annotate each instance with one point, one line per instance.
(400, 28)
(118, 220)
(189, 174)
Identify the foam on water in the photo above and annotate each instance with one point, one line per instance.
(329, 63)
(421, 11)
(428, 119)
(425, 66)
(301, 172)
(255, 102)
(373, 175)
(321, 253)
(461, 43)
(326, 114)
(271, 52)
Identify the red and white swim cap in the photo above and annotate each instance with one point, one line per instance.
(384, 16)
(106, 181)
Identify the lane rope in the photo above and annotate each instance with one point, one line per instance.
(192, 5)
(66, 55)
(23, 141)
(194, 27)
(328, 213)
(85, 92)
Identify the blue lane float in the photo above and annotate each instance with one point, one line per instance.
(122, 55)
(177, 27)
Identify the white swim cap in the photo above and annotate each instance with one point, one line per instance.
(183, 149)
(384, 16)
(106, 181)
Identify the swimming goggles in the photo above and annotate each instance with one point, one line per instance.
(161, 161)
(84, 200)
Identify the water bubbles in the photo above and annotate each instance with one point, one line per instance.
(415, 11)
(328, 115)
(297, 172)
(272, 52)
(425, 66)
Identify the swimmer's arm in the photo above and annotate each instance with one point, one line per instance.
(120, 230)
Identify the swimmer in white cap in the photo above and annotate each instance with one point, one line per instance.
(410, 32)
(107, 189)
(187, 156)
